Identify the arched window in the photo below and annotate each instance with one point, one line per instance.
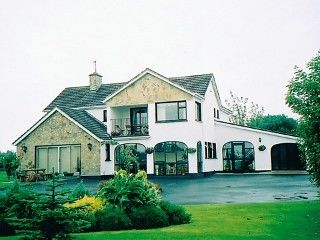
(238, 156)
(171, 158)
(138, 150)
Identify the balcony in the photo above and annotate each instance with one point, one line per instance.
(125, 127)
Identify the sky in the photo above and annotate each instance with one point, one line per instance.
(251, 47)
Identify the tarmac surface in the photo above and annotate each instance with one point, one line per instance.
(223, 188)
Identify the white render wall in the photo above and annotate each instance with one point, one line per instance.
(97, 113)
(226, 133)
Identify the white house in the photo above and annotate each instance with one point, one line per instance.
(175, 126)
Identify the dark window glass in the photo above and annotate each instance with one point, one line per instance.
(198, 111)
(104, 115)
(218, 114)
(170, 158)
(214, 150)
(210, 150)
(138, 150)
(171, 111)
(108, 152)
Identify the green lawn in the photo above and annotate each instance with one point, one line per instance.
(282, 220)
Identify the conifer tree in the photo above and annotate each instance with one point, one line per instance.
(50, 218)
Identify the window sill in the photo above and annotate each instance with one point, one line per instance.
(171, 121)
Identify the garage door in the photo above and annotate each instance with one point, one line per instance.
(285, 156)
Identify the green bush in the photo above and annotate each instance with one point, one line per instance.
(6, 229)
(177, 214)
(111, 218)
(128, 191)
(80, 191)
(149, 217)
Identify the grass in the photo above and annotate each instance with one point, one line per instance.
(281, 220)
(4, 182)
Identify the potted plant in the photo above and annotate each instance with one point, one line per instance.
(262, 147)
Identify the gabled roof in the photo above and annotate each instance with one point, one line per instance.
(81, 118)
(195, 83)
(89, 122)
(157, 75)
(78, 97)
(75, 97)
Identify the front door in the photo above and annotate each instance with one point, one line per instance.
(238, 156)
(139, 120)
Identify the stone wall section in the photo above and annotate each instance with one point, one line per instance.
(59, 130)
(148, 89)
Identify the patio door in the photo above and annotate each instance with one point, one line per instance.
(60, 159)
(138, 119)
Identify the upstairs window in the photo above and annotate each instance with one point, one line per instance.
(198, 111)
(105, 115)
(210, 150)
(171, 111)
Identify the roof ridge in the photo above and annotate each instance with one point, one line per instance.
(103, 84)
(195, 75)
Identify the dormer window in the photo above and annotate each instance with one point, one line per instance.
(105, 115)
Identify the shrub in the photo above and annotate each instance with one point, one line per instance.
(6, 229)
(80, 191)
(87, 204)
(112, 218)
(19, 202)
(149, 217)
(177, 214)
(129, 191)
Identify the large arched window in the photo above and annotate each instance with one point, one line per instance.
(238, 156)
(171, 158)
(138, 150)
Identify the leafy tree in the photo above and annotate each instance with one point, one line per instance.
(242, 110)
(275, 123)
(128, 159)
(304, 98)
(10, 162)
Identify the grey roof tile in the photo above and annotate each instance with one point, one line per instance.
(75, 97)
(195, 83)
(87, 121)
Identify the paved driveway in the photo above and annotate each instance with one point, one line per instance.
(238, 188)
(226, 188)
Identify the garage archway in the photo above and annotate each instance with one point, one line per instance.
(286, 156)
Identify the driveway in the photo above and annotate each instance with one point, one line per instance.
(238, 188)
(225, 188)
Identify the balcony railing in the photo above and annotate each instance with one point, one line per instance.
(123, 127)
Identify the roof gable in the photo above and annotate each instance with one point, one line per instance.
(140, 76)
(79, 117)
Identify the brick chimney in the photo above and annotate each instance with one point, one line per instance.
(95, 81)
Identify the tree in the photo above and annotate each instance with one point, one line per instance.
(275, 123)
(48, 218)
(10, 162)
(304, 98)
(242, 110)
(129, 159)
